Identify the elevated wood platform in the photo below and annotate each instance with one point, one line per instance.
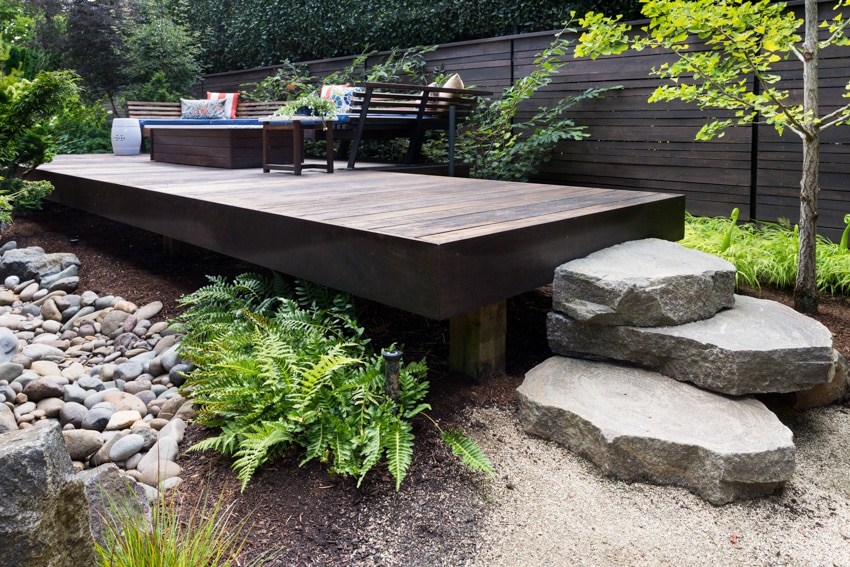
(436, 246)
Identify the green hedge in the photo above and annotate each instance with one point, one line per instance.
(266, 32)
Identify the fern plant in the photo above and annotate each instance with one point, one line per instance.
(281, 367)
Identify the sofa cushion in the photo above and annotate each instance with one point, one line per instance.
(203, 109)
(340, 95)
(231, 100)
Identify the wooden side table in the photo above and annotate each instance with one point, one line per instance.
(297, 126)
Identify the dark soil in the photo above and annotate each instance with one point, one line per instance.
(307, 516)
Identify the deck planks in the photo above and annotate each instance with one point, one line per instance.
(430, 245)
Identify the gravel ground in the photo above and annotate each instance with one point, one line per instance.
(550, 507)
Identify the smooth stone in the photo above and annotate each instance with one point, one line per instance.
(126, 447)
(51, 326)
(11, 281)
(128, 370)
(158, 471)
(69, 323)
(132, 461)
(149, 311)
(110, 439)
(43, 388)
(164, 449)
(165, 343)
(73, 393)
(175, 429)
(170, 357)
(73, 413)
(50, 312)
(29, 291)
(10, 370)
(124, 401)
(178, 373)
(97, 418)
(69, 272)
(90, 383)
(146, 396)
(758, 346)
(186, 412)
(138, 386)
(43, 352)
(82, 443)
(113, 322)
(8, 344)
(7, 420)
(639, 425)
(88, 298)
(158, 423)
(51, 406)
(7, 297)
(11, 322)
(170, 407)
(122, 419)
(45, 368)
(74, 371)
(65, 284)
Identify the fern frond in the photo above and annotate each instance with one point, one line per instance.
(261, 444)
(398, 444)
(370, 452)
(468, 450)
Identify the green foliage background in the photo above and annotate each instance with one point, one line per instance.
(254, 33)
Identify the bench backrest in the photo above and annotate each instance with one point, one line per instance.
(377, 101)
(244, 109)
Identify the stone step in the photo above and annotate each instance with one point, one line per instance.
(638, 425)
(645, 283)
(758, 346)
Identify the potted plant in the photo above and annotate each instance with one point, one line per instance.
(308, 105)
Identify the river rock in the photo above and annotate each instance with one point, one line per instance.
(44, 519)
(638, 425)
(9, 371)
(158, 471)
(97, 418)
(8, 344)
(50, 406)
(43, 388)
(82, 443)
(73, 413)
(123, 419)
(758, 346)
(7, 419)
(164, 449)
(149, 311)
(126, 447)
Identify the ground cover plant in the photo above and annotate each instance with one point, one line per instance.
(282, 366)
(767, 253)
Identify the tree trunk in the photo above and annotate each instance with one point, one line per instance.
(806, 290)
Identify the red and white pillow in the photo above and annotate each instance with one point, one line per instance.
(230, 102)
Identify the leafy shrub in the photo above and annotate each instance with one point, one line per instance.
(766, 253)
(82, 129)
(496, 146)
(289, 82)
(279, 367)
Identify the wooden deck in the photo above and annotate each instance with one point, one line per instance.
(437, 246)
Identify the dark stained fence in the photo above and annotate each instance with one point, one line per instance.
(633, 144)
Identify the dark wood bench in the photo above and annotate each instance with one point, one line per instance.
(383, 111)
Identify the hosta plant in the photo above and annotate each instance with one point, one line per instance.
(281, 367)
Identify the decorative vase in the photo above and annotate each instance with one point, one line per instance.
(126, 136)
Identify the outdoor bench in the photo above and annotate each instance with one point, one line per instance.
(383, 111)
(375, 111)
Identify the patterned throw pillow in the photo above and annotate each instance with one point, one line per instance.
(340, 95)
(202, 109)
(230, 102)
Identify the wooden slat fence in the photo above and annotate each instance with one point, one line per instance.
(637, 145)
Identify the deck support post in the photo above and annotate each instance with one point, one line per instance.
(478, 341)
(173, 248)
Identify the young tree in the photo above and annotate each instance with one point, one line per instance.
(742, 40)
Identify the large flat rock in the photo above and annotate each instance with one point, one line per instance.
(645, 283)
(758, 346)
(638, 425)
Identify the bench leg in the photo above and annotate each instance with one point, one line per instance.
(478, 341)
